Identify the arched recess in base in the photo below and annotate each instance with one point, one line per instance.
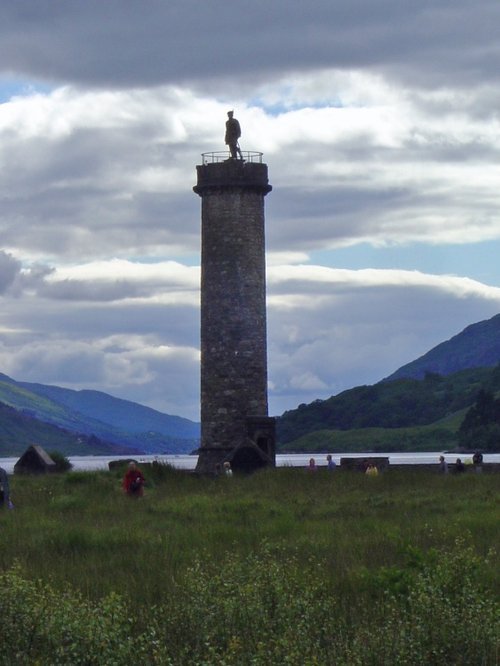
(248, 459)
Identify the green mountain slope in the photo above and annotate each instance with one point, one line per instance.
(434, 437)
(403, 403)
(418, 396)
(19, 430)
(123, 414)
(445, 380)
(125, 424)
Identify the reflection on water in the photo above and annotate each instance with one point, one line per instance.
(89, 463)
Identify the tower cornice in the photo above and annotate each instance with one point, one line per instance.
(232, 174)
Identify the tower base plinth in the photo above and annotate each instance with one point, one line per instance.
(257, 451)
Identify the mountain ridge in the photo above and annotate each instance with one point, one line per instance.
(122, 424)
(18, 431)
(445, 380)
(116, 411)
(476, 346)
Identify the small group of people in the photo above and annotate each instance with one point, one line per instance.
(460, 467)
(223, 469)
(330, 464)
(133, 481)
(367, 466)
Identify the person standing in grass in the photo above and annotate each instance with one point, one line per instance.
(4, 489)
(330, 463)
(477, 461)
(133, 481)
(371, 470)
(443, 465)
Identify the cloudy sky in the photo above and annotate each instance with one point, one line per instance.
(380, 124)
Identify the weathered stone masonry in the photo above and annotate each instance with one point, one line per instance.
(234, 410)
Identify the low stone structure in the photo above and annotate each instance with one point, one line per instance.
(380, 462)
(35, 460)
(119, 464)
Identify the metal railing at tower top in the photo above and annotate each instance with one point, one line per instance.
(223, 155)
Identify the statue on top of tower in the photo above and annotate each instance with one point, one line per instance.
(233, 133)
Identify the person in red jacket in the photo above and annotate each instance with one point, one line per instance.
(133, 481)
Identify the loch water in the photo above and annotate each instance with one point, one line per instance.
(89, 463)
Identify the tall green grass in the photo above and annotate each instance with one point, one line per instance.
(282, 567)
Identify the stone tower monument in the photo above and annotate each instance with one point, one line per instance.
(235, 425)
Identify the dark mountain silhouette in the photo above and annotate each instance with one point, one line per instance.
(401, 403)
(477, 346)
(122, 423)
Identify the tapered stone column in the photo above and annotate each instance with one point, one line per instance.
(235, 426)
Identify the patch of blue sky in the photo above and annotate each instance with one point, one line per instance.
(478, 261)
(191, 259)
(13, 87)
(282, 105)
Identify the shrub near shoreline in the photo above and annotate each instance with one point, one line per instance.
(273, 568)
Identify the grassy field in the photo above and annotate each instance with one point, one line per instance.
(282, 567)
